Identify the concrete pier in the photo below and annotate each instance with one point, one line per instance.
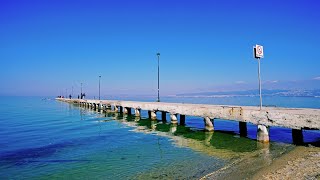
(293, 118)
(297, 136)
(116, 108)
(153, 115)
(208, 124)
(164, 116)
(137, 112)
(182, 119)
(263, 134)
(243, 129)
(174, 119)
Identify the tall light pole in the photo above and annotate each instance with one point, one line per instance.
(81, 91)
(158, 100)
(99, 86)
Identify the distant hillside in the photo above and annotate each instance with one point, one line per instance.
(292, 93)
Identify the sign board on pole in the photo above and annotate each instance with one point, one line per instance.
(258, 51)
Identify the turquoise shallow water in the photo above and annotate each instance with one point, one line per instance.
(45, 139)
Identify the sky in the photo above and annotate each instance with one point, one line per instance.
(48, 47)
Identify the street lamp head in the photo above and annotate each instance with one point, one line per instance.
(158, 54)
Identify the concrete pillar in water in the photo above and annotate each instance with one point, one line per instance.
(137, 112)
(263, 134)
(182, 119)
(116, 109)
(208, 124)
(125, 110)
(297, 136)
(243, 129)
(149, 114)
(153, 115)
(173, 118)
(164, 116)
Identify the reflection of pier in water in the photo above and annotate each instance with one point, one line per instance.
(217, 144)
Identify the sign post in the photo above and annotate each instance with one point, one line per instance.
(258, 53)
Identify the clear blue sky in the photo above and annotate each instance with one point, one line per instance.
(48, 46)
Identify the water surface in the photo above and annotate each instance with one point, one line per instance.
(45, 139)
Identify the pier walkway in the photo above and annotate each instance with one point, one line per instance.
(293, 118)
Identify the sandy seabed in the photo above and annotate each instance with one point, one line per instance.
(299, 163)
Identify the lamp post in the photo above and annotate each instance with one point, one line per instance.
(99, 86)
(81, 91)
(158, 54)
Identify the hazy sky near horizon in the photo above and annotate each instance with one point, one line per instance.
(48, 46)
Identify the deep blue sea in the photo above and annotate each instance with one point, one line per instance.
(43, 138)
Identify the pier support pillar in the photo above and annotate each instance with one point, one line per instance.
(125, 110)
(173, 118)
(182, 119)
(208, 124)
(116, 109)
(121, 109)
(297, 136)
(137, 112)
(263, 134)
(153, 115)
(149, 114)
(243, 129)
(164, 116)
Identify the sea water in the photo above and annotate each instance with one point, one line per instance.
(47, 139)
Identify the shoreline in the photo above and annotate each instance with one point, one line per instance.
(298, 163)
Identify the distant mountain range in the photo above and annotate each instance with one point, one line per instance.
(291, 93)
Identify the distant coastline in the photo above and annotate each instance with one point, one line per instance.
(252, 93)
